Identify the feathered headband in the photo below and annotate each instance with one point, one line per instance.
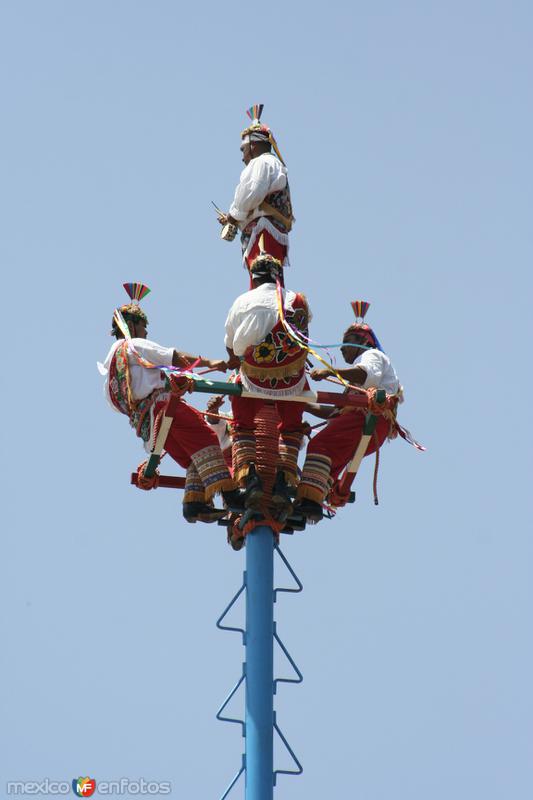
(257, 132)
(360, 307)
(136, 291)
(130, 311)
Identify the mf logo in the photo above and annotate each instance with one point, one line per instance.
(83, 787)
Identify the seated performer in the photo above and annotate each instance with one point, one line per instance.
(133, 388)
(271, 364)
(333, 448)
(262, 201)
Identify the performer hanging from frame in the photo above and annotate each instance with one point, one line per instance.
(334, 446)
(135, 388)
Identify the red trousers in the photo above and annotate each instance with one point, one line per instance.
(244, 445)
(339, 439)
(244, 411)
(188, 433)
(272, 247)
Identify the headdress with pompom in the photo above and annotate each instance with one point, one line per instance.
(130, 312)
(258, 132)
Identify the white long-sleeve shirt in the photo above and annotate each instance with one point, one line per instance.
(263, 175)
(253, 315)
(380, 373)
(143, 380)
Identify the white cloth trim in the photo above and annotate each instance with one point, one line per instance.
(256, 136)
(221, 428)
(150, 444)
(274, 394)
(264, 224)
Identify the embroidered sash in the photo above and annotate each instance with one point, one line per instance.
(122, 398)
(278, 362)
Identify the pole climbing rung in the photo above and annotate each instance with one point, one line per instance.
(299, 769)
(262, 786)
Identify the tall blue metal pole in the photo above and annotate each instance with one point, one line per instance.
(259, 716)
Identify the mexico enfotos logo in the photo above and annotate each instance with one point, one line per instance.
(87, 787)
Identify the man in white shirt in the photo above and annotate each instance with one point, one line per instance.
(136, 386)
(262, 201)
(333, 448)
(271, 364)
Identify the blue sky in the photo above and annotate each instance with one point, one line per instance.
(407, 132)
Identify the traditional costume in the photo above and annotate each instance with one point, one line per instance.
(333, 448)
(272, 364)
(262, 201)
(136, 386)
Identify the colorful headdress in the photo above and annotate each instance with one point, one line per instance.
(360, 307)
(257, 132)
(360, 328)
(130, 312)
(136, 291)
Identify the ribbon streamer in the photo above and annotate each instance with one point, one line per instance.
(296, 337)
(121, 322)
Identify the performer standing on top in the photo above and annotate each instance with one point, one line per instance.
(333, 448)
(135, 388)
(271, 364)
(262, 201)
